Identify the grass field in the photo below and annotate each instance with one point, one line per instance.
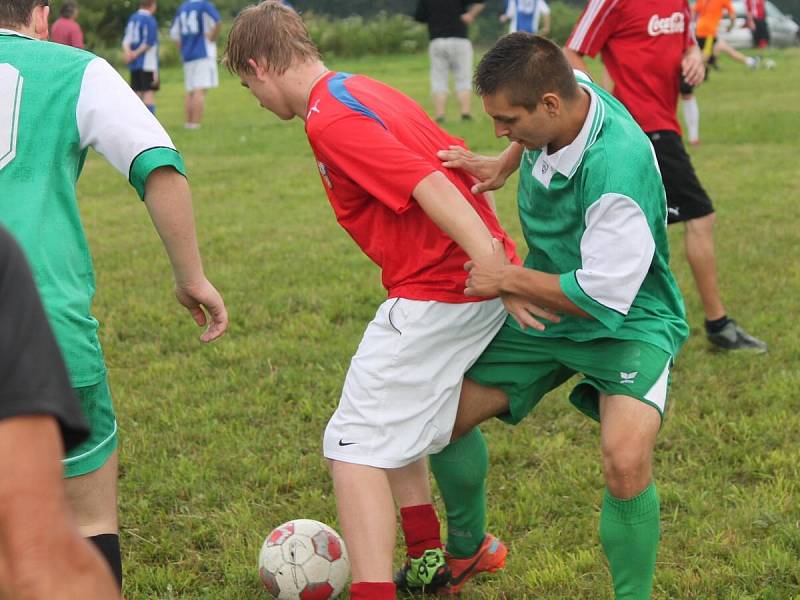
(221, 443)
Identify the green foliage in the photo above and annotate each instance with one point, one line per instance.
(356, 36)
(219, 443)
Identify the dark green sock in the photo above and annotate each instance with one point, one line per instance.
(629, 532)
(460, 470)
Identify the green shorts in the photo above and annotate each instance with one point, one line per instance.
(526, 367)
(94, 452)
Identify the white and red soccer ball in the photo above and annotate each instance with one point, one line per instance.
(303, 560)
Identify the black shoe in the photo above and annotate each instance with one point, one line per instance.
(440, 120)
(733, 337)
(466, 117)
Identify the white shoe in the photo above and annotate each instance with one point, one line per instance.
(769, 63)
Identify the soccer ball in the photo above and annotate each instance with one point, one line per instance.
(303, 560)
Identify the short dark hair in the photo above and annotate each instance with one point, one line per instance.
(525, 67)
(14, 13)
(68, 9)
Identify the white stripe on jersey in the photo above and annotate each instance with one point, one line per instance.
(587, 21)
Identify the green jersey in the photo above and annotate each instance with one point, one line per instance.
(595, 213)
(56, 102)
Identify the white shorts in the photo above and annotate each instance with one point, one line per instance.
(400, 396)
(200, 74)
(450, 55)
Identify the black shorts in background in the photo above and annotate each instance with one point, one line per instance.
(760, 33)
(143, 81)
(686, 198)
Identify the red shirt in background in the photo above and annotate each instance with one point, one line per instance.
(373, 145)
(67, 32)
(756, 8)
(642, 43)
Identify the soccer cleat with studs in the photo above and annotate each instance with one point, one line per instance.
(428, 573)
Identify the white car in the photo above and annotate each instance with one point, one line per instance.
(783, 31)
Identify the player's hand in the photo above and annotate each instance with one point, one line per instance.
(485, 276)
(467, 18)
(128, 56)
(692, 67)
(200, 299)
(486, 169)
(524, 312)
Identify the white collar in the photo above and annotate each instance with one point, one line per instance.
(567, 159)
(12, 32)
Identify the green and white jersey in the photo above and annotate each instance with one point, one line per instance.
(56, 102)
(595, 212)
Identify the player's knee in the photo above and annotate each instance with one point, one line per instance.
(626, 470)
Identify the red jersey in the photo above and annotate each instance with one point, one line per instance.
(373, 145)
(642, 43)
(67, 32)
(756, 9)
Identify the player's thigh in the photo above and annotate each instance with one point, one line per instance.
(400, 396)
(477, 404)
(613, 368)
(93, 498)
(523, 367)
(686, 197)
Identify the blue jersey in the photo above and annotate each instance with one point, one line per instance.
(142, 28)
(193, 21)
(526, 14)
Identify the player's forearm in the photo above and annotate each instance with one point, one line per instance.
(543, 289)
(476, 9)
(214, 33)
(510, 158)
(36, 528)
(446, 207)
(169, 203)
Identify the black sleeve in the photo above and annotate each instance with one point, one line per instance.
(421, 13)
(33, 378)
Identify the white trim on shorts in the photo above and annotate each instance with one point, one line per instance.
(400, 396)
(200, 74)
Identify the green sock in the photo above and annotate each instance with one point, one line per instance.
(460, 470)
(629, 532)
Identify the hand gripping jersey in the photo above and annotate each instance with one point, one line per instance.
(193, 21)
(373, 145)
(56, 102)
(142, 28)
(595, 213)
(642, 43)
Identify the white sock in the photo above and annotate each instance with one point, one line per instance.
(691, 114)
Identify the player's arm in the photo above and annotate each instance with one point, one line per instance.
(213, 34)
(113, 120)
(446, 207)
(575, 59)
(421, 12)
(731, 15)
(42, 554)
(545, 29)
(490, 171)
(473, 11)
(617, 249)
(693, 66)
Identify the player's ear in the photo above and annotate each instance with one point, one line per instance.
(41, 16)
(258, 70)
(552, 104)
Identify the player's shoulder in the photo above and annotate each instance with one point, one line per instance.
(61, 56)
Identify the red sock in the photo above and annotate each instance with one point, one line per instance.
(421, 528)
(373, 590)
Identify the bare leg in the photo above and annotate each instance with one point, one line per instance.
(733, 53)
(699, 240)
(410, 485)
(93, 498)
(477, 404)
(439, 104)
(198, 106)
(367, 516)
(464, 101)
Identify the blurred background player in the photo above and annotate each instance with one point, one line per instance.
(450, 51)
(195, 29)
(89, 105)
(42, 554)
(647, 48)
(756, 11)
(532, 16)
(140, 49)
(708, 14)
(66, 30)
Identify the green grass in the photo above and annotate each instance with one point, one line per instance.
(221, 443)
